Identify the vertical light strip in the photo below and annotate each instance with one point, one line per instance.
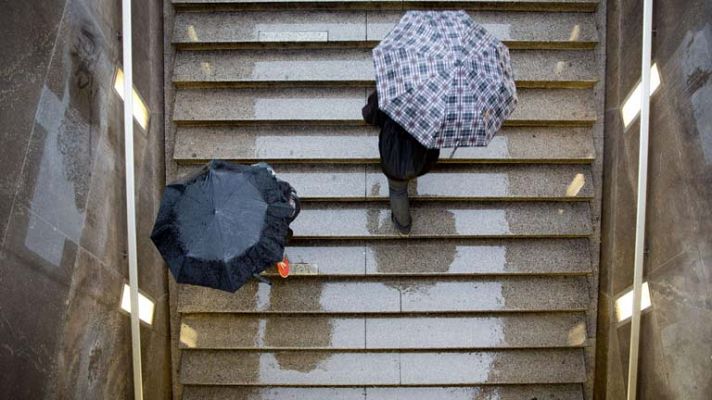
(642, 200)
(131, 197)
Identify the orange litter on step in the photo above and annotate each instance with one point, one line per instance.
(283, 267)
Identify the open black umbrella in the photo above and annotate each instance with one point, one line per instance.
(225, 224)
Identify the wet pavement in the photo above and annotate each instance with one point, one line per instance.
(394, 295)
(541, 330)
(389, 368)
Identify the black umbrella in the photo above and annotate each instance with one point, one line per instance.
(225, 224)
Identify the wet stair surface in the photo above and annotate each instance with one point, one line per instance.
(490, 295)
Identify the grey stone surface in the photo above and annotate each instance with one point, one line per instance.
(289, 368)
(360, 144)
(434, 220)
(552, 366)
(270, 393)
(354, 67)
(535, 256)
(506, 331)
(561, 293)
(62, 334)
(23, 70)
(537, 107)
(225, 28)
(346, 182)
(365, 28)
(516, 30)
(535, 5)
(32, 300)
(507, 182)
(518, 392)
(392, 295)
(676, 329)
(444, 257)
(339, 369)
(270, 105)
(332, 182)
(228, 331)
(504, 392)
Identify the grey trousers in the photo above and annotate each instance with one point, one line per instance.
(398, 195)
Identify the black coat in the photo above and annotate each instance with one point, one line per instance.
(402, 156)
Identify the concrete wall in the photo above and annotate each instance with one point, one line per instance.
(676, 337)
(62, 208)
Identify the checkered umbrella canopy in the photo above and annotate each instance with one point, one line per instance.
(445, 79)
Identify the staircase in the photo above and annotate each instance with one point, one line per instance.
(492, 296)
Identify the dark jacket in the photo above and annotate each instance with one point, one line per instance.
(402, 156)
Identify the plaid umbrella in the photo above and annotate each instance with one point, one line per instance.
(445, 79)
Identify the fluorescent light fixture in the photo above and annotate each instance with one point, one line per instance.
(624, 304)
(192, 34)
(146, 306)
(188, 336)
(631, 105)
(576, 185)
(140, 111)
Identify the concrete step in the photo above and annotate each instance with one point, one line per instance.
(439, 257)
(445, 220)
(338, 333)
(364, 29)
(354, 68)
(509, 5)
(518, 392)
(393, 295)
(506, 182)
(343, 144)
(342, 106)
(316, 368)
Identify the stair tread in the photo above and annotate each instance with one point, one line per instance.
(440, 257)
(365, 28)
(434, 220)
(343, 106)
(393, 295)
(360, 144)
(519, 392)
(354, 67)
(229, 331)
(519, 5)
(225, 367)
(351, 182)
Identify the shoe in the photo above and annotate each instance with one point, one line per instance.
(402, 230)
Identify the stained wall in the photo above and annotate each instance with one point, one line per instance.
(676, 331)
(62, 201)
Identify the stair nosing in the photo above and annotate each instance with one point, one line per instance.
(576, 123)
(462, 349)
(375, 161)
(181, 310)
(365, 44)
(588, 7)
